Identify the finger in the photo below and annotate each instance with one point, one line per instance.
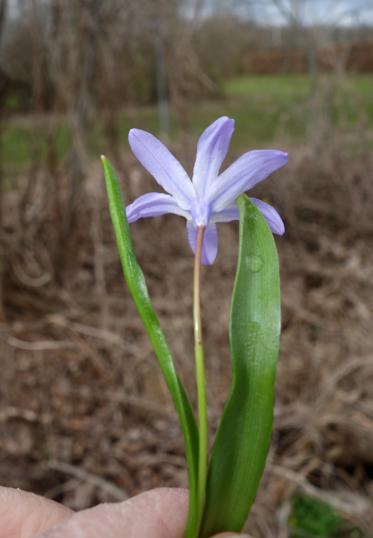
(23, 514)
(160, 513)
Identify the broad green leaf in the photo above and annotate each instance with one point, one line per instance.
(137, 286)
(241, 446)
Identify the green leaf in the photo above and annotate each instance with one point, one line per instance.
(241, 446)
(137, 286)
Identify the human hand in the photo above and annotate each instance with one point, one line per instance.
(159, 513)
(24, 515)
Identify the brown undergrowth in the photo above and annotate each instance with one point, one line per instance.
(85, 416)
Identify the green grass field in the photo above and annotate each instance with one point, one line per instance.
(269, 109)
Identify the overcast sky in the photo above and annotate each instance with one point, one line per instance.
(340, 12)
(336, 12)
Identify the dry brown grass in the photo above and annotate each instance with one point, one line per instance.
(85, 416)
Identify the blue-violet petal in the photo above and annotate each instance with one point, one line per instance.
(153, 204)
(163, 166)
(274, 220)
(210, 242)
(243, 174)
(212, 149)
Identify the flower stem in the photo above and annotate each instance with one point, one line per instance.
(200, 374)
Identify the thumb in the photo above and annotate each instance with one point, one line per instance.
(159, 513)
(25, 514)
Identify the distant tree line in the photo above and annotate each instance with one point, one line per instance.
(114, 49)
(61, 54)
(349, 57)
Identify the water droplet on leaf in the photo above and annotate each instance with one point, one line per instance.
(254, 263)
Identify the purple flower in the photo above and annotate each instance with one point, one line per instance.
(209, 197)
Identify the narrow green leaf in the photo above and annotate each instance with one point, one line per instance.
(242, 442)
(137, 286)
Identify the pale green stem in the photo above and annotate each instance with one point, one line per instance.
(200, 374)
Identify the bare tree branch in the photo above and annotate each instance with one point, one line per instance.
(3, 8)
